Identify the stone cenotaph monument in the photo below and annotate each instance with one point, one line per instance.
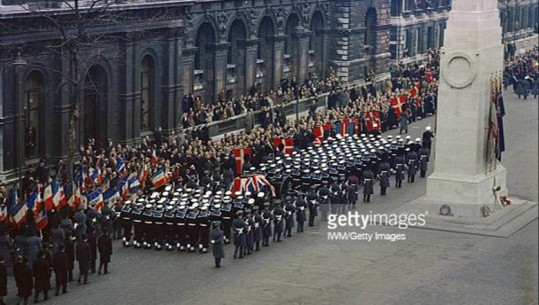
(464, 192)
(471, 57)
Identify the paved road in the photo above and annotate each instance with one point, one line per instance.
(429, 267)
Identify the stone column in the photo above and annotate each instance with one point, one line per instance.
(8, 121)
(301, 58)
(169, 86)
(278, 53)
(127, 93)
(178, 92)
(187, 69)
(220, 53)
(247, 72)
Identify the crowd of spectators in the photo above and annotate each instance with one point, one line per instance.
(521, 71)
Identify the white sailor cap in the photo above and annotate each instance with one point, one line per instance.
(260, 194)
(169, 207)
(203, 208)
(238, 193)
(168, 188)
(408, 137)
(154, 195)
(418, 140)
(161, 200)
(228, 193)
(248, 194)
(217, 206)
(428, 128)
(159, 206)
(164, 194)
(127, 202)
(148, 206)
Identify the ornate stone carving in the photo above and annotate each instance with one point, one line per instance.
(222, 19)
(281, 18)
(189, 32)
(306, 14)
(252, 17)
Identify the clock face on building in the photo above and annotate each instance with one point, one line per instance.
(459, 69)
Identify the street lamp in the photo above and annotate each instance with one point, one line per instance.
(19, 63)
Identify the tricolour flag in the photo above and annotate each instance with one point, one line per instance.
(41, 218)
(48, 197)
(18, 212)
(58, 195)
(159, 178)
(75, 199)
(95, 200)
(154, 157)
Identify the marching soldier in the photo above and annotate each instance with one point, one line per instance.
(181, 222)
(136, 215)
(170, 227)
(323, 193)
(192, 228)
(427, 138)
(278, 214)
(289, 218)
(266, 224)
(216, 237)
(226, 209)
(300, 213)
(399, 169)
(158, 227)
(312, 201)
(239, 235)
(203, 221)
(367, 178)
(249, 231)
(257, 227)
(384, 176)
(423, 161)
(148, 228)
(411, 161)
(127, 224)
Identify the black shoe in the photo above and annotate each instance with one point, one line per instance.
(234, 256)
(78, 281)
(56, 294)
(218, 266)
(99, 272)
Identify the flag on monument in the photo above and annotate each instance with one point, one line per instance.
(501, 137)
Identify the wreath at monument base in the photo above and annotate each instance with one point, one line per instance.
(505, 201)
(486, 210)
(445, 210)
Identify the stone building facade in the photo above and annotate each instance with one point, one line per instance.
(140, 57)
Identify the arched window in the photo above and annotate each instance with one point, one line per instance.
(370, 34)
(33, 129)
(95, 99)
(147, 89)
